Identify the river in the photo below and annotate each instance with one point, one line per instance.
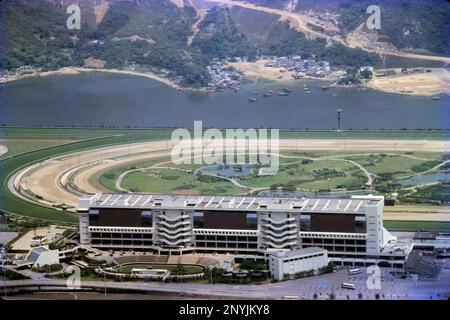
(104, 99)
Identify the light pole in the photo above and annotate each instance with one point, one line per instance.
(4, 278)
(339, 117)
(104, 281)
(210, 273)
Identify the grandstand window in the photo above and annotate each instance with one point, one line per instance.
(198, 218)
(305, 222)
(252, 220)
(147, 218)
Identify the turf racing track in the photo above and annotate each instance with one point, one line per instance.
(46, 183)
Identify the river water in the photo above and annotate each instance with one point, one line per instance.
(426, 178)
(104, 99)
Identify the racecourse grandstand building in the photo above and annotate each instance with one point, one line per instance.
(351, 230)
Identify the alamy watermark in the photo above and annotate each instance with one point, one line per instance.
(73, 282)
(74, 20)
(374, 21)
(374, 280)
(227, 147)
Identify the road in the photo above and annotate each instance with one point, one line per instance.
(300, 22)
(391, 287)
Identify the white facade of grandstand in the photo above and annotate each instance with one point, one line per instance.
(350, 229)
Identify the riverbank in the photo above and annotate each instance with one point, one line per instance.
(81, 70)
(432, 83)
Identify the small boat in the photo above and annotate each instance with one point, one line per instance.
(307, 92)
(283, 94)
(252, 100)
(325, 87)
(270, 91)
(286, 90)
(436, 98)
(265, 95)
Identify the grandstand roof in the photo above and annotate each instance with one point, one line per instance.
(239, 203)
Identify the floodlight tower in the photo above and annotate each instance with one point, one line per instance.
(339, 117)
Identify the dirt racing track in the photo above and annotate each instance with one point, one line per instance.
(47, 183)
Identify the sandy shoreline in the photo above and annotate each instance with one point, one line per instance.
(425, 84)
(432, 83)
(80, 70)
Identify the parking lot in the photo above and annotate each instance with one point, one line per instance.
(391, 286)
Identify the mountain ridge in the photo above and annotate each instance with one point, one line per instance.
(155, 34)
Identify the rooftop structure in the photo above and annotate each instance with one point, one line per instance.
(38, 257)
(239, 203)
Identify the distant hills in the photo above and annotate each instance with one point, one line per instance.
(407, 24)
(183, 37)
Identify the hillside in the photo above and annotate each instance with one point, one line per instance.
(150, 33)
(406, 24)
(220, 37)
(172, 35)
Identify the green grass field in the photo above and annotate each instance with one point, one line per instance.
(21, 145)
(174, 181)
(305, 176)
(322, 174)
(174, 269)
(20, 155)
(310, 134)
(417, 225)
